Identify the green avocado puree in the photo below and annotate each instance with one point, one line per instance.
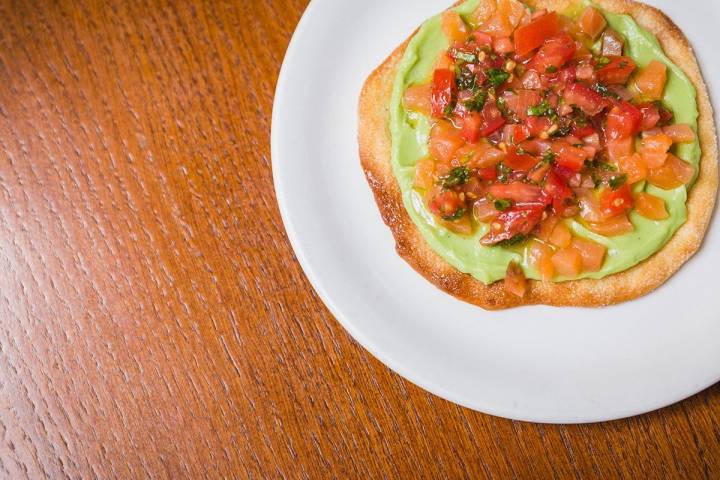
(410, 132)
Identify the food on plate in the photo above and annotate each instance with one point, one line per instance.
(542, 152)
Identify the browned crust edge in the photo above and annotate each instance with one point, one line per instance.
(375, 155)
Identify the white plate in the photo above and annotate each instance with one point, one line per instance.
(538, 364)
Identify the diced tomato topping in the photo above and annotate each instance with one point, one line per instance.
(634, 167)
(541, 259)
(680, 133)
(515, 282)
(650, 116)
(654, 150)
(487, 173)
(620, 148)
(617, 72)
(444, 90)
(612, 43)
(592, 253)
(417, 99)
(569, 157)
(583, 131)
(592, 22)
(556, 51)
(673, 174)
(562, 195)
(445, 140)
(651, 80)
(515, 134)
(615, 202)
(616, 226)
(484, 210)
(471, 127)
(567, 262)
(526, 99)
(536, 126)
(424, 171)
(505, 18)
(534, 34)
(491, 119)
(583, 97)
(481, 39)
(519, 220)
(623, 121)
(518, 192)
(519, 161)
(650, 206)
(453, 26)
(561, 236)
(503, 45)
(445, 203)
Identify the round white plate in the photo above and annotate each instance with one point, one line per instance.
(538, 364)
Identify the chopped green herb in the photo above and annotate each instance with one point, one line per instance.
(497, 77)
(549, 156)
(465, 79)
(503, 172)
(455, 216)
(541, 110)
(478, 101)
(551, 69)
(617, 181)
(457, 176)
(517, 239)
(502, 205)
(449, 109)
(502, 105)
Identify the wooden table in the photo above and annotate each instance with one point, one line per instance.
(153, 320)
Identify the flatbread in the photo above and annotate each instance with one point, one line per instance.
(375, 155)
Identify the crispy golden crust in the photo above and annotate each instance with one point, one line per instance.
(375, 153)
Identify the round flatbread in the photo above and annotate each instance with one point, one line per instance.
(375, 154)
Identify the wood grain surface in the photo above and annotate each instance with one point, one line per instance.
(153, 320)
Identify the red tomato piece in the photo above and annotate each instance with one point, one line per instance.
(487, 173)
(519, 161)
(650, 116)
(617, 72)
(481, 38)
(572, 158)
(526, 99)
(515, 134)
(588, 100)
(623, 121)
(582, 132)
(445, 203)
(518, 192)
(471, 127)
(445, 140)
(536, 126)
(533, 35)
(492, 119)
(503, 45)
(519, 220)
(556, 51)
(562, 195)
(616, 202)
(443, 91)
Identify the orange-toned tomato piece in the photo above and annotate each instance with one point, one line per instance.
(417, 99)
(592, 22)
(561, 236)
(592, 253)
(651, 80)
(546, 227)
(515, 282)
(673, 174)
(634, 167)
(616, 226)
(507, 16)
(680, 133)
(541, 258)
(445, 140)
(620, 148)
(567, 262)
(654, 150)
(453, 26)
(424, 171)
(650, 206)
